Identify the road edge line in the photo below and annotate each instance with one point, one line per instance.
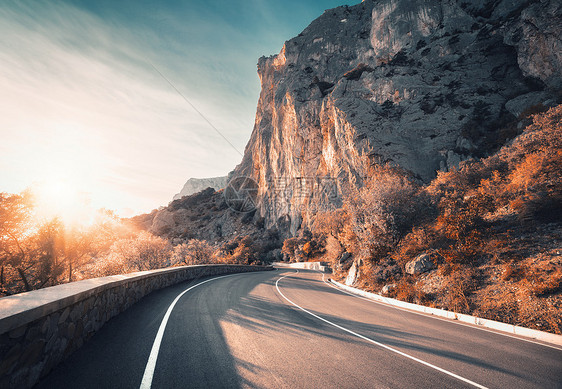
(458, 318)
(449, 373)
(146, 382)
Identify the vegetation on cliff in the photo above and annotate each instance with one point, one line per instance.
(36, 252)
(491, 228)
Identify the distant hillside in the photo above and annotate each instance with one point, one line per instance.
(194, 185)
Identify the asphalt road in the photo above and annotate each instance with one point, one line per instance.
(289, 329)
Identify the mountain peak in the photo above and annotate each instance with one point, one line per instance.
(422, 85)
(195, 185)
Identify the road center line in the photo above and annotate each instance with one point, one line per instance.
(146, 382)
(378, 343)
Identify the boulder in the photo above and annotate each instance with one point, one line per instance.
(163, 222)
(388, 288)
(422, 263)
(344, 258)
(353, 275)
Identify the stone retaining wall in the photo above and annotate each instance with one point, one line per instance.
(39, 329)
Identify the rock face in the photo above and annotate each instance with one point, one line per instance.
(195, 185)
(536, 35)
(421, 84)
(203, 215)
(421, 264)
(353, 274)
(344, 258)
(388, 288)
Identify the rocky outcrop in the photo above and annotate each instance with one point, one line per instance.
(204, 215)
(195, 185)
(421, 264)
(344, 258)
(388, 288)
(163, 222)
(420, 84)
(353, 274)
(536, 36)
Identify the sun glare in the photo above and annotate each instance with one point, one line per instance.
(61, 199)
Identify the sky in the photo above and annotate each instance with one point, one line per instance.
(100, 99)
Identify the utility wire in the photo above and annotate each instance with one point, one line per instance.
(196, 110)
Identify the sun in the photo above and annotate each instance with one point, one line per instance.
(61, 199)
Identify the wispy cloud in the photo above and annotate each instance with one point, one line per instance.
(80, 99)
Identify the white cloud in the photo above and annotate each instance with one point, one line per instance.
(81, 101)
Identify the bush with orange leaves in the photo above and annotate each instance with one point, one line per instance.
(241, 250)
(485, 221)
(193, 252)
(375, 217)
(304, 247)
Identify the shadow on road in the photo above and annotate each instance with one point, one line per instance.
(195, 351)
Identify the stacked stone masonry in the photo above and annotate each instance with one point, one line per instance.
(39, 329)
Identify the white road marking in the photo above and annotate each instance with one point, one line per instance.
(146, 382)
(440, 318)
(378, 343)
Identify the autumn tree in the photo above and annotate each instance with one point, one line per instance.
(49, 258)
(79, 246)
(142, 252)
(242, 249)
(290, 247)
(193, 252)
(382, 211)
(15, 222)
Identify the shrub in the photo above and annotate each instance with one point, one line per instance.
(459, 285)
(382, 211)
(333, 251)
(142, 251)
(241, 250)
(544, 278)
(406, 290)
(194, 252)
(290, 247)
(304, 247)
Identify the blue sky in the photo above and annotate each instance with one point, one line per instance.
(83, 107)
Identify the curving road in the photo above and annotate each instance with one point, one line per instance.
(290, 329)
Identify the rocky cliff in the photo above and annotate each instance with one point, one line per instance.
(195, 185)
(420, 84)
